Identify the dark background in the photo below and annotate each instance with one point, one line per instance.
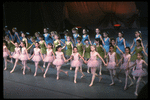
(26, 16)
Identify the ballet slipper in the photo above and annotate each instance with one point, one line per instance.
(57, 78)
(125, 88)
(136, 93)
(44, 76)
(70, 68)
(35, 74)
(100, 73)
(112, 84)
(5, 68)
(82, 76)
(91, 84)
(11, 71)
(66, 73)
(131, 84)
(88, 71)
(75, 81)
(100, 78)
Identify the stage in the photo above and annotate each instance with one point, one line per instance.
(16, 85)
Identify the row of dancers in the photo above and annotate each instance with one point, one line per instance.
(88, 53)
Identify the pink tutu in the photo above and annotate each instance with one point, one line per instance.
(93, 63)
(5, 54)
(23, 57)
(111, 65)
(36, 58)
(140, 72)
(75, 63)
(48, 59)
(16, 56)
(124, 66)
(58, 62)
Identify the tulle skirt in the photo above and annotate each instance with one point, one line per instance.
(23, 57)
(124, 66)
(16, 55)
(93, 63)
(140, 72)
(58, 62)
(36, 58)
(48, 59)
(76, 63)
(111, 65)
(5, 54)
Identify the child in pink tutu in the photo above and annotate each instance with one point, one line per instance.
(49, 58)
(16, 55)
(76, 62)
(5, 54)
(94, 63)
(125, 66)
(24, 57)
(59, 61)
(36, 57)
(111, 63)
(139, 71)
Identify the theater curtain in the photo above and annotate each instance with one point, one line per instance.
(89, 14)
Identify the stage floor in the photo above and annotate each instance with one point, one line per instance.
(16, 85)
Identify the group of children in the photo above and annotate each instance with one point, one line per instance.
(50, 49)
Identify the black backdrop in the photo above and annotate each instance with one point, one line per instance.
(31, 16)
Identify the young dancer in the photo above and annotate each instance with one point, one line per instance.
(87, 52)
(98, 35)
(60, 59)
(37, 57)
(85, 36)
(75, 35)
(69, 49)
(24, 57)
(24, 39)
(138, 36)
(37, 34)
(42, 47)
(10, 47)
(5, 54)
(101, 51)
(138, 48)
(113, 42)
(106, 41)
(76, 62)
(16, 35)
(81, 49)
(121, 43)
(47, 36)
(94, 63)
(111, 63)
(16, 55)
(125, 66)
(56, 42)
(7, 32)
(139, 71)
(49, 58)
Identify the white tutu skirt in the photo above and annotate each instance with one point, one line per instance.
(23, 57)
(58, 62)
(140, 72)
(111, 65)
(36, 58)
(16, 56)
(48, 59)
(76, 63)
(5, 54)
(93, 63)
